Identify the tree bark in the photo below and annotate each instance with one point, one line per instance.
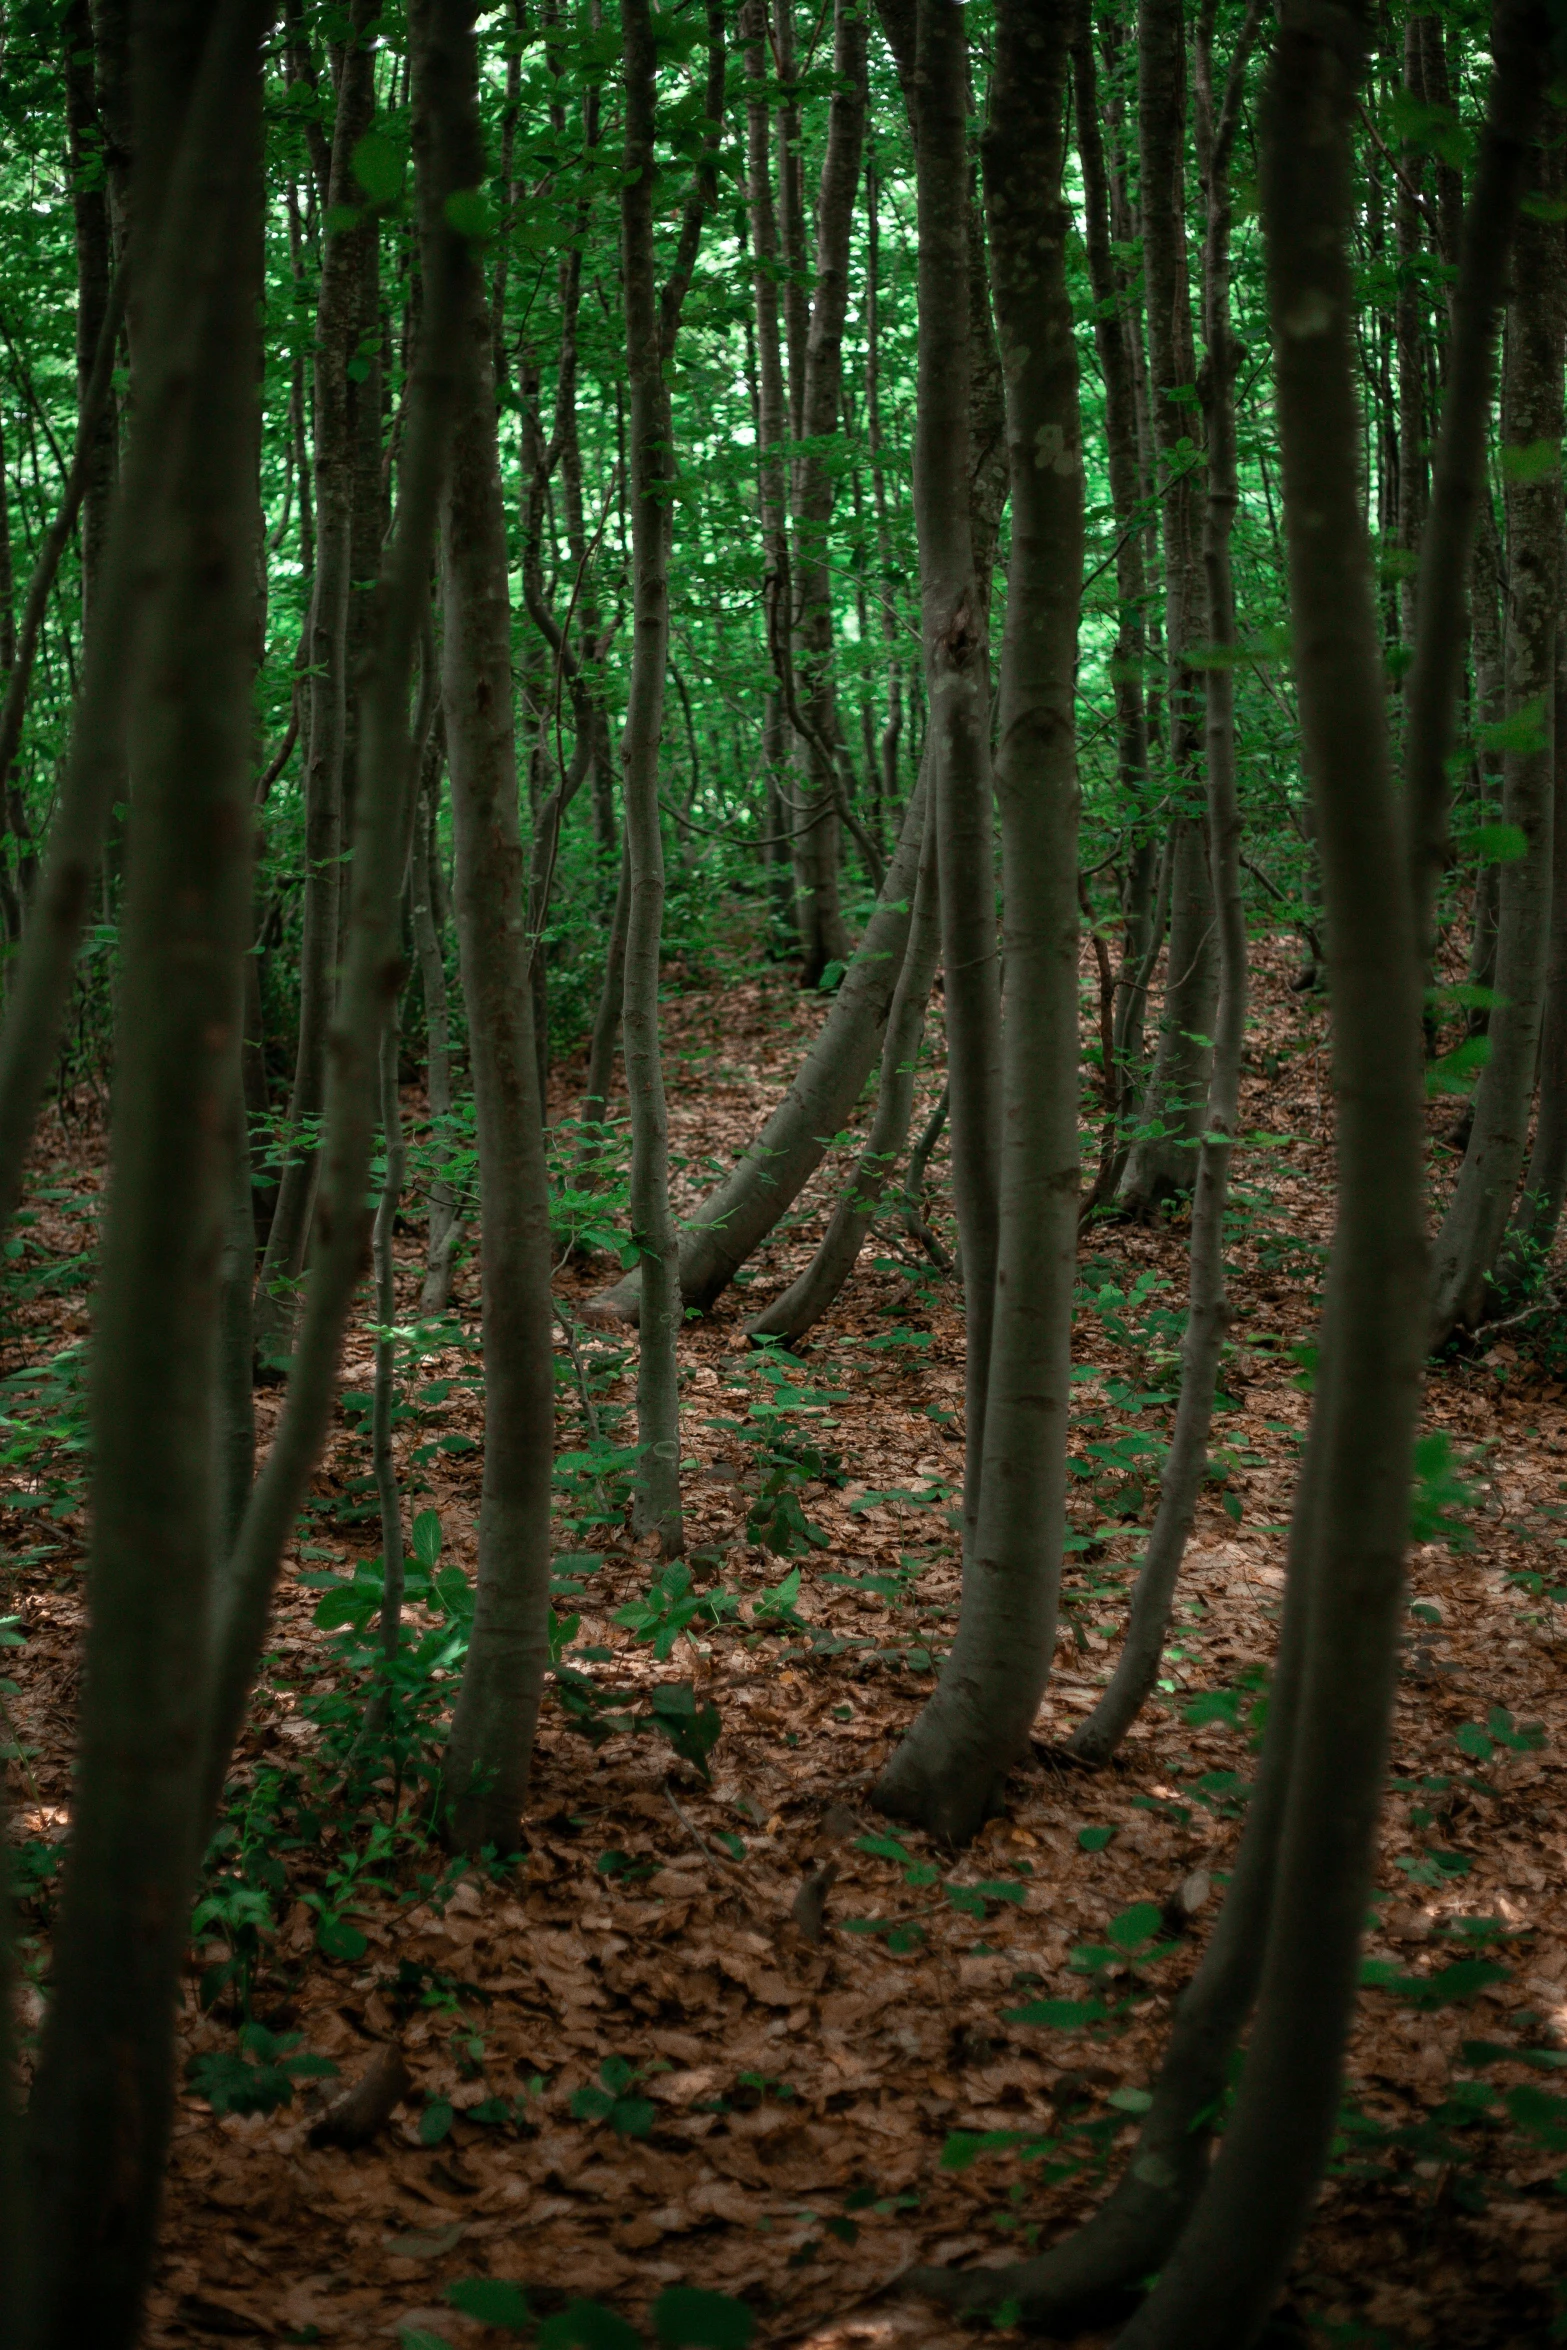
(736, 1216)
(330, 638)
(805, 1301)
(102, 2102)
(809, 686)
(445, 146)
(1229, 2264)
(957, 678)
(1475, 1222)
(949, 1770)
(491, 1741)
(1185, 1465)
(1163, 1160)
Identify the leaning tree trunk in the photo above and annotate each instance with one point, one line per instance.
(491, 1743)
(949, 1770)
(1132, 2234)
(1477, 1213)
(736, 1217)
(1186, 1463)
(337, 331)
(1163, 1160)
(103, 2101)
(806, 1299)
(1231, 2260)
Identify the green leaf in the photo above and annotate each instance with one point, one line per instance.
(420, 2338)
(335, 1938)
(1136, 1925)
(1472, 1740)
(1095, 1839)
(632, 2117)
(1462, 1980)
(588, 2325)
(378, 167)
(427, 1539)
(492, 2301)
(685, 2318)
(1062, 2015)
(435, 2122)
(470, 213)
(1541, 2114)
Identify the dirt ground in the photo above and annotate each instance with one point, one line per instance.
(786, 2093)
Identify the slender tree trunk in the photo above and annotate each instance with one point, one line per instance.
(98, 417)
(430, 949)
(594, 1114)
(957, 678)
(891, 634)
(1539, 1210)
(657, 1508)
(1111, 319)
(491, 1741)
(1409, 346)
(102, 2103)
(445, 150)
(736, 1217)
(1223, 2276)
(949, 1771)
(1164, 1159)
(816, 827)
(338, 320)
(805, 1301)
(1137, 1668)
(1477, 1213)
(384, 1396)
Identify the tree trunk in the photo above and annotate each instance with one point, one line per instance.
(1222, 2278)
(957, 677)
(1477, 1213)
(429, 946)
(736, 1217)
(816, 827)
(337, 330)
(1180, 1483)
(98, 419)
(491, 1742)
(949, 1771)
(1163, 1160)
(445, 147)
(102, 2103)
(805, 1301)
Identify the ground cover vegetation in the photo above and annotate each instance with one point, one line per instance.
(783, 1106)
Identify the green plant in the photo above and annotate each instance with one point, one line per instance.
(259, 2074)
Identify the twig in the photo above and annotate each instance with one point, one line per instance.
(695, 1833)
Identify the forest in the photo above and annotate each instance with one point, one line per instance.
(783, 1117)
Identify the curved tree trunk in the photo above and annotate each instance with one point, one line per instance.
(806, 1300)
(1223, 2275)
(1180, 1484)
(948, 1772)
(736, 1217)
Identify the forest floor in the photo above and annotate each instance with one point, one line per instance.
(638, 2058)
